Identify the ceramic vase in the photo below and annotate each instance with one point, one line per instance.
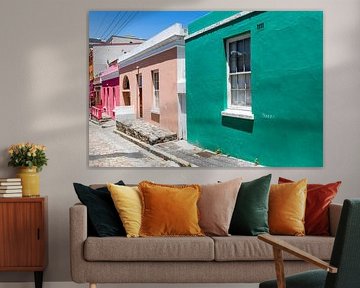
(30, 181)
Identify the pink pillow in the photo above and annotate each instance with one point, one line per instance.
(216, 206)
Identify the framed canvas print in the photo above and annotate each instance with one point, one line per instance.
(205, 89)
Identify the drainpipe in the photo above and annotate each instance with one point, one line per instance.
(137, 92)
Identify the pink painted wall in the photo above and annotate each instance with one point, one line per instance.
(110, 95)
(165, 63)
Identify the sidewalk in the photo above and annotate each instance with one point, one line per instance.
(185, 154)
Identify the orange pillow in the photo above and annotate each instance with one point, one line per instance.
(318, 199)
(169, 210)
(287, 204)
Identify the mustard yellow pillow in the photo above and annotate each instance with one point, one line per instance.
(169, 210)
(287, 204)
(127, 201)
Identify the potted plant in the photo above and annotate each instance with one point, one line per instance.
(30, 159)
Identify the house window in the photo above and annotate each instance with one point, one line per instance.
(155, 79)
(239, 77)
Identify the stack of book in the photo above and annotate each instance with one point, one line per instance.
(10, 187)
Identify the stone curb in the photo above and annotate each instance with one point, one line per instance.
(155, 150)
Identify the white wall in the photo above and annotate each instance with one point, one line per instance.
(43, 80)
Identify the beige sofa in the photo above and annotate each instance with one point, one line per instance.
(239, 259)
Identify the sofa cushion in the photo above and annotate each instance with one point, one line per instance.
(250, 215)
(216, 206)
(249, 248)
(103, 218)
(169, 210)
(149, 249)
(127, 201)
(287, 204)
(318, 199)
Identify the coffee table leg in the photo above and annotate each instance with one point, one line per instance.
(38, 279)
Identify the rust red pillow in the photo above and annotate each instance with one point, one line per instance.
(319, 197)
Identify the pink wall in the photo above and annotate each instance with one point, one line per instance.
(165, 63)
(110, 95)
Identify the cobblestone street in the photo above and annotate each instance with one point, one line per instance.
(107, 149)
(110, 149)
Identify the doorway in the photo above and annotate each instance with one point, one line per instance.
(139, 82)
(182, 133)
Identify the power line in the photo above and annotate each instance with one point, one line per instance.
(100, 25)
(117, 23)
(112, 22)
(126, 22)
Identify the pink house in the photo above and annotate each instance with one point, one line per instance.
(152, 81)
(104, 73)
(110, 90)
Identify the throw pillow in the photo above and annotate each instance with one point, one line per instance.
(318, 200)
(127, 201)
(216, 206)
(250, 215)
(169, 210)
(287, 208)
(102, 214)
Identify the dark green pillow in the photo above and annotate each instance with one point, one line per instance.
(103, 219)
(250, 216)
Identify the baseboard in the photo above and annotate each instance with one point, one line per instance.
(164, 285)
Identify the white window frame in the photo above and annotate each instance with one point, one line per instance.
(237, 111)
(155, 108)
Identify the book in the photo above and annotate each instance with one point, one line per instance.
(10, 187)
(10, 179)
(11, 191)
(2, 195)
(10, 183)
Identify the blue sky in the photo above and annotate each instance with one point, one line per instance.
(142, 24)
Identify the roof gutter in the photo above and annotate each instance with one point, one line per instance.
(218, 24)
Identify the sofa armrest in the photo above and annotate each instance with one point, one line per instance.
(334, 216)
(78, 235)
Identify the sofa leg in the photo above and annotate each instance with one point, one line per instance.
(92, 285)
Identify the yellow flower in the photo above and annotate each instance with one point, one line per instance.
(11, 151)
(28, 154)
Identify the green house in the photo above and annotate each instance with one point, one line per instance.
(254, 84)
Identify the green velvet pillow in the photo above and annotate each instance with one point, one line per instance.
(250, 216)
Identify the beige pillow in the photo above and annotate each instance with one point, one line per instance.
(216, 206)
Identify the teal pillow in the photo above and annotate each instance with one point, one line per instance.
(250, 216)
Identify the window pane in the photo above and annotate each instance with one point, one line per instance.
(234, 97)
(233, 63)
(241, 81)
(248, 98)
(248, 81)
(247, 54)
(157, 101)
(238, 97)
(233, 81)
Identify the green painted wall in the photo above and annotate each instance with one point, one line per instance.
(287, 89)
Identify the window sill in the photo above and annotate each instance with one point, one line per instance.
(155, 111)
(243, 114)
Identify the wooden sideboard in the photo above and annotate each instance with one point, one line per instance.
(23, 235)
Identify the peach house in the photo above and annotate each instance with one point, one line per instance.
(152, 81)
